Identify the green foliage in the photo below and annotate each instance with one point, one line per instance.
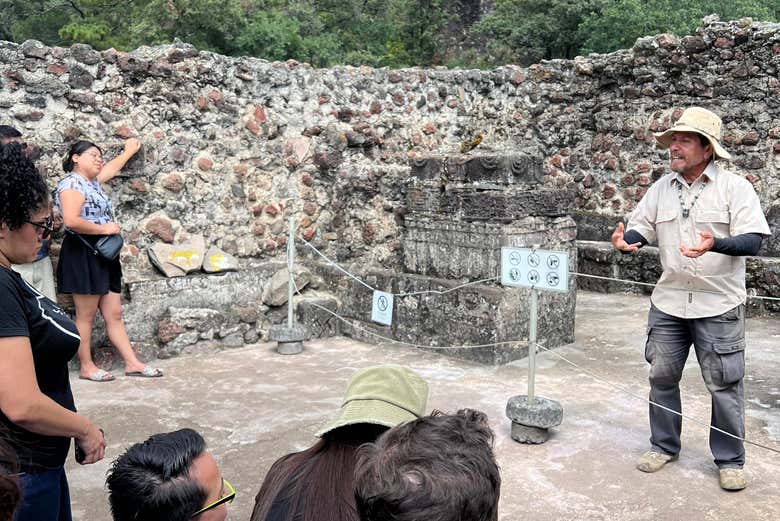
(395, 33)
(618, 23)
(526, 31)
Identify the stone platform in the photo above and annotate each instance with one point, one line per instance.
(253, 406)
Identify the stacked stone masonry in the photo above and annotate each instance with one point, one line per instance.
(234, 146)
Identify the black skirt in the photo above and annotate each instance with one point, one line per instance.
(81, 272)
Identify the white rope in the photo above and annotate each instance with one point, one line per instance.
(400, 295)
(648, 284)
(401, 342)
(651, 402)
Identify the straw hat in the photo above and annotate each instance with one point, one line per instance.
(385, 395)
(701, 121)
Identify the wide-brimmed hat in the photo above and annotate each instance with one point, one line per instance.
(701, 121)
(386, 395)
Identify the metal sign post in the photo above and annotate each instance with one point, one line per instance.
(290, 262)
(532, 344)
(532, 415)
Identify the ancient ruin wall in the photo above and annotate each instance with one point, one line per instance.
(233, 145)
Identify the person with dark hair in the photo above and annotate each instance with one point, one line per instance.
(437, 468)
(37, 339)
(9, 481)
(706, 220)
(95, 283)
(39, 273)
(169, 477)
(9, 134)
(317, 484)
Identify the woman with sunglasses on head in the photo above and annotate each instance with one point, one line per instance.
(37, 339)
(95, 283)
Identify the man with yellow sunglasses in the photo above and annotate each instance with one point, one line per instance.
(168, 477)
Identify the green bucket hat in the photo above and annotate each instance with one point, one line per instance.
(384, 395)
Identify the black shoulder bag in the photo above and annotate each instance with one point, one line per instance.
(107, 247)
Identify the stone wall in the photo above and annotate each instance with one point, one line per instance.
(234, 146)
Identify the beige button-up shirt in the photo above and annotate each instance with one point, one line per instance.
(725, 205)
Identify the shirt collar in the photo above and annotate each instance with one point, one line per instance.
(711, 172)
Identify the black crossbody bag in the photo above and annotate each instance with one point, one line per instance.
(107, 247)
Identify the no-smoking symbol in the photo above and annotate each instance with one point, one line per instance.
(381, 303)
(514, 258)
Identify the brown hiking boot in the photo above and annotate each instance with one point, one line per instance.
(653, 461)
(732, 479)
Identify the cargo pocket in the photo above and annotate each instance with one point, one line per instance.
(730, 366)
(649, 350)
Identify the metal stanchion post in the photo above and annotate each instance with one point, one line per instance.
(532, 344)
(290, 336)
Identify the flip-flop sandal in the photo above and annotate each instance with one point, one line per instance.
(148, 372)
(99, 376)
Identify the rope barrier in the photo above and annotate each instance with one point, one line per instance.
(651, 402)
(540, 345)
(401, 342)
(493, 279)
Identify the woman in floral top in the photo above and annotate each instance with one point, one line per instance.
(95, 283)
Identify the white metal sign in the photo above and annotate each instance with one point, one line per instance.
(532, 268)
(382, 308)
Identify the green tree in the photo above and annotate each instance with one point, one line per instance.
(617, 24)
(526, 31)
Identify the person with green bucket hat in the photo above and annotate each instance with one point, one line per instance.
(317, 484)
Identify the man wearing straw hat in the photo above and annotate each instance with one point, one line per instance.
(705, 220)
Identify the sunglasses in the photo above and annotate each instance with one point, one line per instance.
(231, 494)
(44, 227)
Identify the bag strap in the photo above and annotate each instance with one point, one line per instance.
(86, 243)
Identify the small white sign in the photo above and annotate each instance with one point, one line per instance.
(382, 308)
(531, 268)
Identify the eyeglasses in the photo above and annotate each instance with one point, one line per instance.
(44, 227)
(231, 494)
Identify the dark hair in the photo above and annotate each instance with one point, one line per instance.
(317, 484)
(22, 189)
(9, 132)
(9, 484)
(76, 149)
(437, 468)
(151, 480)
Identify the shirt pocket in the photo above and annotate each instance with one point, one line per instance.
(666, 226)
(716, 222)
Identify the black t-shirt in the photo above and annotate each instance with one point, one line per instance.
(54, 340)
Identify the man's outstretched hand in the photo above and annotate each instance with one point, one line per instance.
(620, 243)
(706, 244)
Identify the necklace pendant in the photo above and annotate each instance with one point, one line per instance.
(685, 213)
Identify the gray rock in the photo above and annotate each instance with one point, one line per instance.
(83, 53)
(275, 292)
(543, 413)
(529, 435)
(217, 261)
(176, 259)
(34, 49)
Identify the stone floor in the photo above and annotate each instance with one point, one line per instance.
(253, 406)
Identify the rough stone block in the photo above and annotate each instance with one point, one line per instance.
(276, 291)
(476, 315)
(528, 435)
(446, 248)
(500, 169)
(543, 413)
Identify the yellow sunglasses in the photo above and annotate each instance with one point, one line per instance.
(227, 498)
